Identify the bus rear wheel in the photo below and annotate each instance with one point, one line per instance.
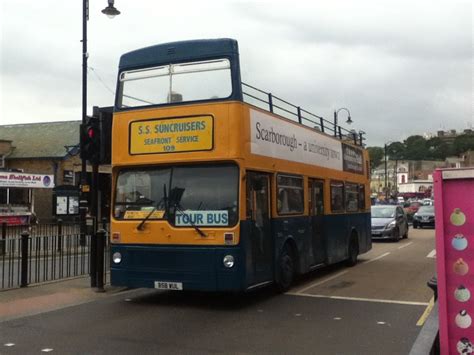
(285, 270)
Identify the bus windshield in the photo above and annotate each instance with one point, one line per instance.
(208, 195)
(194, 81)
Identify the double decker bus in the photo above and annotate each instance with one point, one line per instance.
(219, 186)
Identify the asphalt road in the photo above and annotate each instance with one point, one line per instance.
(372, 308)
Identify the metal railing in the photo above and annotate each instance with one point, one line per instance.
(44, 253)
(285, 109)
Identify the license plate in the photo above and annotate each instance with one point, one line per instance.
(165, 285)
(376, 232)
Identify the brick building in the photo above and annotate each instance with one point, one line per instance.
(42, 148)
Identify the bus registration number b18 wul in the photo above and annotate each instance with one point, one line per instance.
(165, 285)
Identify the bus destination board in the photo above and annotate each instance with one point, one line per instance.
(168, 135)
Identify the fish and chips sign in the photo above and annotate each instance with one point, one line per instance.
(29, 181)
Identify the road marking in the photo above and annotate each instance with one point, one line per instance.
(426, 313)
(9, 344)
(377, 258)
(337, 275)
(375, 300)
(322, 281)
(405, 245)
(432, 254)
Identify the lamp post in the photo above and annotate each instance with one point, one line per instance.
(111, 12)
(336, 112)
(386, 172)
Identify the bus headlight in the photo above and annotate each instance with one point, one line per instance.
(228, 261)
(117, 258)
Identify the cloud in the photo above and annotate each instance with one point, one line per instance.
(400, 67)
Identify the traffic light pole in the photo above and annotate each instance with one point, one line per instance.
(93, 247)
(83, 184)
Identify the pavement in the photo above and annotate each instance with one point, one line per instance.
(46, 297)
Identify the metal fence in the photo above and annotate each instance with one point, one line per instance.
(269, 102)
(44, 253)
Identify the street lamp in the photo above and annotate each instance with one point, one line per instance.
(336, 112)
(110, 11)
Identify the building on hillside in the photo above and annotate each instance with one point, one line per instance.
(413, 175)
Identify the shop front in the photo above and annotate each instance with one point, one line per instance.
(17, 196)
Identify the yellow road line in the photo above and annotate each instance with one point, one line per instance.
(426, 313)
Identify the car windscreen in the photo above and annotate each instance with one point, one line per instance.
(185, 195)
(426, 210)
(383, 212)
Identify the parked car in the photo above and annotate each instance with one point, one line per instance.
(424, 217)
(389, 222)
(428, 202)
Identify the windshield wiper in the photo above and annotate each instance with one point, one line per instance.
(163, 200)
(180, 210)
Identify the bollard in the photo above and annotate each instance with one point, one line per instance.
(25, 236)
(100, 238)
(60, 234)
(3, 240)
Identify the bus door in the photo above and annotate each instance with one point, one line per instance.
(316, 191)
(261, 245)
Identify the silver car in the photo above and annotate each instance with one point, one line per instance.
(389, 222)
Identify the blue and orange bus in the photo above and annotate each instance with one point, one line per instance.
(219, 186)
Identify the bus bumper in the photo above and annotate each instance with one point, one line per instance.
(195, 268)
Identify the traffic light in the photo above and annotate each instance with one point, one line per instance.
(90, 140)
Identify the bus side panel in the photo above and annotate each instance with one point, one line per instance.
(365, 234)
(297, 230)
(337, 231)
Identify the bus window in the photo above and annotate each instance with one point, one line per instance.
(337, 196)
(352, 195)
(317, 198)
(290, 194)
(175, 83)
(361, 197)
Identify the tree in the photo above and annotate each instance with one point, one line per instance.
(396, 151)
(438, 149)
(416, 148)
(376, 156)
(463, 143)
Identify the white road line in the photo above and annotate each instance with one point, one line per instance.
(322, 281)
(405, 245)
(432, 254)
(375, 300)
(377, 258)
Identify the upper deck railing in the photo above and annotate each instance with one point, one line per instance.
(271, 103)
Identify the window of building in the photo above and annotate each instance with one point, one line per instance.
(337, 196)
(19, 196)
(3, 195)
(290, 194)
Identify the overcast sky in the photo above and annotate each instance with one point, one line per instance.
(400, 67)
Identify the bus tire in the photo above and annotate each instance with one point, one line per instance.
(353, 250)
(285, 269)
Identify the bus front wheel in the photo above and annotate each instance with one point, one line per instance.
(286, 270)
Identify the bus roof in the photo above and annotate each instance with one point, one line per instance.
(179, 52)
